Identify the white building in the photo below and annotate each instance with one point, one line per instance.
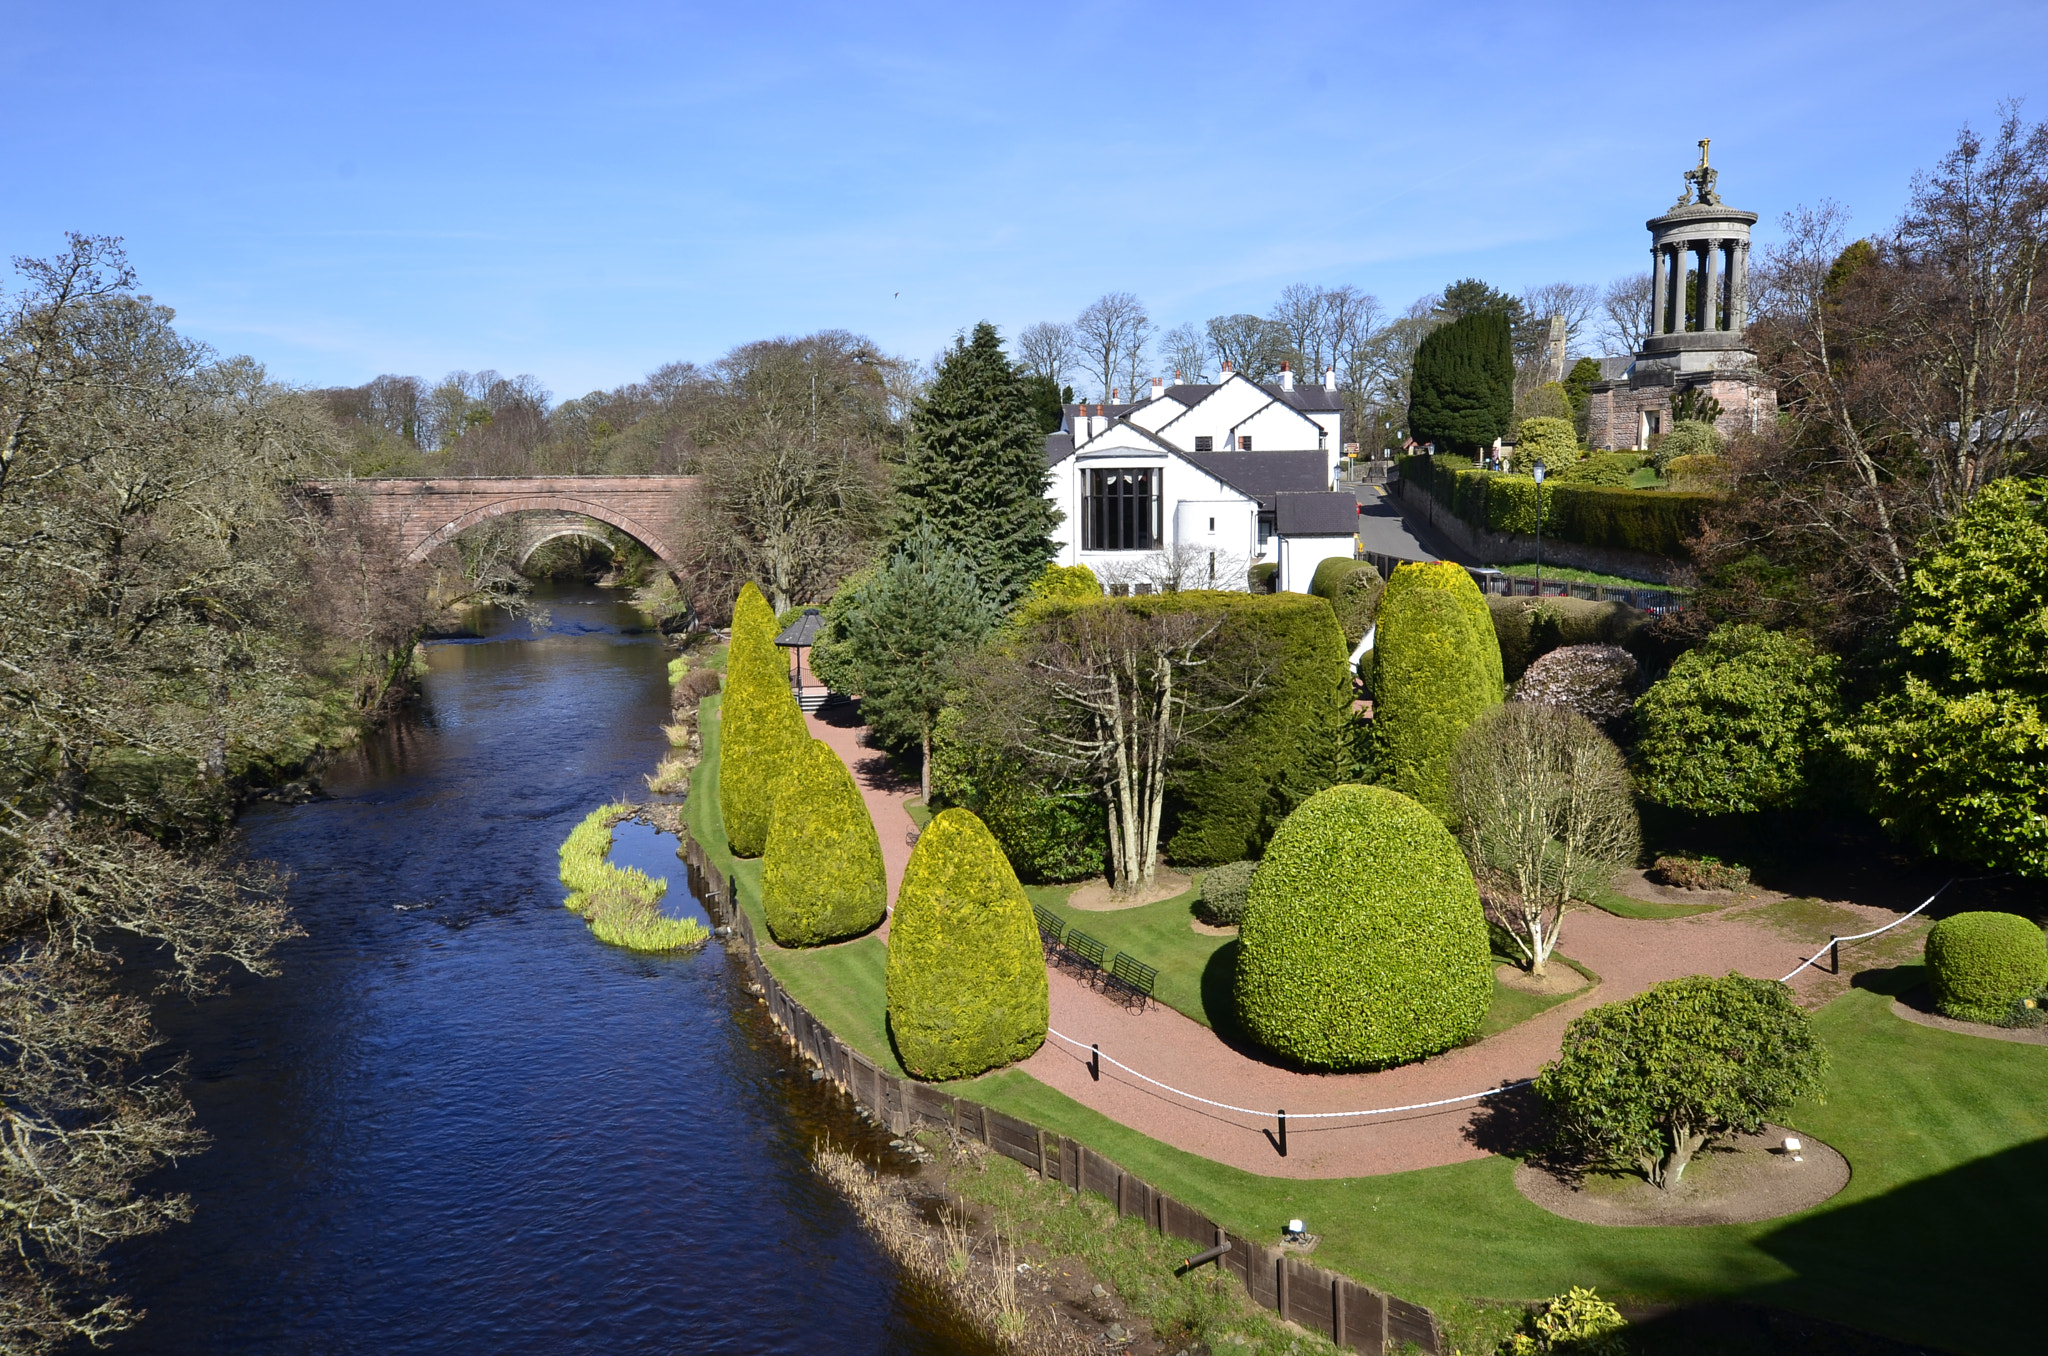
(1193, 485)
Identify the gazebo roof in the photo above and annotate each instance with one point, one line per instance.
(803, 632)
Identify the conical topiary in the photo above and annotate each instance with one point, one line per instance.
(1436, 669)
(761, 729)
(821, 877)
(967, 988)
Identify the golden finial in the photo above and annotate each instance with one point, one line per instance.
(1704, 143)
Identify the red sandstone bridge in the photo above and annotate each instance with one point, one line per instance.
(424, 514)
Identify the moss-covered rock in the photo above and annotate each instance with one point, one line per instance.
(1981, 964)
(966, 978)
(1437, 668)
(763, 728)
(1363, 943)
(822, 878)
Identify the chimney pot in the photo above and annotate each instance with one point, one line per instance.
(1158, 387)
(1286, 378)
(1227, 368)
(1329, 378)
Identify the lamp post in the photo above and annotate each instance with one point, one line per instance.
(1538, 470)
(1430, 450)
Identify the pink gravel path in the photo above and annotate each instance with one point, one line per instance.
(1628, 954)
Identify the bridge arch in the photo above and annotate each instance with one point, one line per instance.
(553, 501)
(537, 540)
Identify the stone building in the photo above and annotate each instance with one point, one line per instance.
(1699, 275)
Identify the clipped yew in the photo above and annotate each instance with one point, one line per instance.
(1437, 669)
(821, 876)
(1363, 943)
(966, 979)
(762, 726)
(1981, 965)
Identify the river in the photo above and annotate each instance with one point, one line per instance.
(456, 1122)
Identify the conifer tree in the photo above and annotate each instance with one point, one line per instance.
(1463, 393)
(976, 469)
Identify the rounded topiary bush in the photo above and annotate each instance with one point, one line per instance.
(1600, 682)
(1552, 441)
(967, 988)
(761, 727)
(1223, 894)
(1353, 588)
(1687, 438)
(1363, 942)
(1981, 964)
(1436, 669)
(821, 877)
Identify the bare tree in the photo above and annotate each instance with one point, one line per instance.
(1625, 313)
(1184, 352)
(1251, 345)
(1112, 333)
(1548, 814)
(1578, 303)
(1046, 350)
(1180, 567)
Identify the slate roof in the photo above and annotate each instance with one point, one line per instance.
(1058, 447)
(1326, 513)
(1263, 475)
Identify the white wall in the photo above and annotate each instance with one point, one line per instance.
(1190, 499)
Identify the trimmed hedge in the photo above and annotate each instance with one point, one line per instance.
(1529, 628)
(1980, 965)
(764, 727)
(1050, 834)
(966, 978)
(1223, 894)
(1661, 522)
(1353, 589)
(1363, 943)
(821, 878)
(1437, 669)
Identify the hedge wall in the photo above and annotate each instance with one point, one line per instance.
(821, 878)
(764, 727)
(1363, 942)
(1437, 669)
(1353, 588)
(1050, 834)
(966, 976)
(1658, 521)
(1981, 964)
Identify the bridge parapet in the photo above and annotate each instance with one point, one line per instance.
(427, 512)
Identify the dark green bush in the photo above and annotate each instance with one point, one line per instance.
(1980, 965)
(1353, 589)
(763, 728)
(1611, 469)
(821, 877)
(1437, 668)
(1529, 628)
(1049, 833)
(1363, 942)
(966, 976)
(1660, 522)
(1223, 894)
(1260, 577)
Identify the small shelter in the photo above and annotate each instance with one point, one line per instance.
(797, 637)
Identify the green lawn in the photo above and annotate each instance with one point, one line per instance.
(1626, 906)
(1527, 570)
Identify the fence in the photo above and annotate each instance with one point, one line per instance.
(1352, 1315)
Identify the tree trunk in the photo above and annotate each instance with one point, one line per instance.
(1684, 1142)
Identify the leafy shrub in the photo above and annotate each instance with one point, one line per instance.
(1065, 581)
(1577, 1322)
(1648, 1082)
(1612, 469)
(1687, 438)
(1259, 578)
(1738, 725)
(1551, 400)
(1353, 588)
(1437, 669)
(1223, 894)
(821, 877)
(1980, 965)
(763, 726)
(1699, 873)
(966, 977)
(1050, 832)
(1698, 470)
(1529, 628)
(1553, 441)
(1363, 944)
(1599, 682)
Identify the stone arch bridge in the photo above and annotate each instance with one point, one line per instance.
(426, 513)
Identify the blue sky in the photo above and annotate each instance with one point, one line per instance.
(586, 191)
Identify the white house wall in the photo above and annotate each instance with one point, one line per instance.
(1189, 499)
(1275, 428)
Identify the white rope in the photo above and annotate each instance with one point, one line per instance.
(1837, 941)
(1293, 1115)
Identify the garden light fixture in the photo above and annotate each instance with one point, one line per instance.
(1537, 471)
(1792, 1146)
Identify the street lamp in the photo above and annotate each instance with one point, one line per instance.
(1538, 469)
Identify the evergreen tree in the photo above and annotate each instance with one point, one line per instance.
(1045, 396)
(1462, 395)
(976, 469)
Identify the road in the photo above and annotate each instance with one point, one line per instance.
(1385, 527)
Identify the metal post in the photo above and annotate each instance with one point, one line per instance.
(1283, 1132)
(1835, 954)
(1095, 1062)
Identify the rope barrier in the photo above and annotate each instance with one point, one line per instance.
(1266, 1112)
(1834, 942)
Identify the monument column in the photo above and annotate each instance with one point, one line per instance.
(1738, 286)
(1677, 288)
(1710, 287)
(1658, 273)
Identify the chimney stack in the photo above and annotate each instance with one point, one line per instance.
(1158, 387)
(1286, 378)
(1115, 395)
(1227, 369)
(1329, 379)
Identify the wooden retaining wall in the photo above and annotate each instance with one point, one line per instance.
(1353, 1315)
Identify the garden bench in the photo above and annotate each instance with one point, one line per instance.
(1083, 948)
(1131, 981)
(1049, 927)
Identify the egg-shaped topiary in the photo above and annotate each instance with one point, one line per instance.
(821, 878)
(1437, 668)
(966, 979)
(761, 727)
(1981, 964)
(1363, 942)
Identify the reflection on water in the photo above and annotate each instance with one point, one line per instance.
(457, 1123)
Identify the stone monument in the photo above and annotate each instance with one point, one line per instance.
(1695, 352)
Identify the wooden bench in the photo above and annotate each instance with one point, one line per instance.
(1130, 981)
(1049, 927)
(1083, 948)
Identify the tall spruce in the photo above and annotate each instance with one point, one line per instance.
(976, 469)
(1463, 392)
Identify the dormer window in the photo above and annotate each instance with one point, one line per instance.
(1204, 443)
